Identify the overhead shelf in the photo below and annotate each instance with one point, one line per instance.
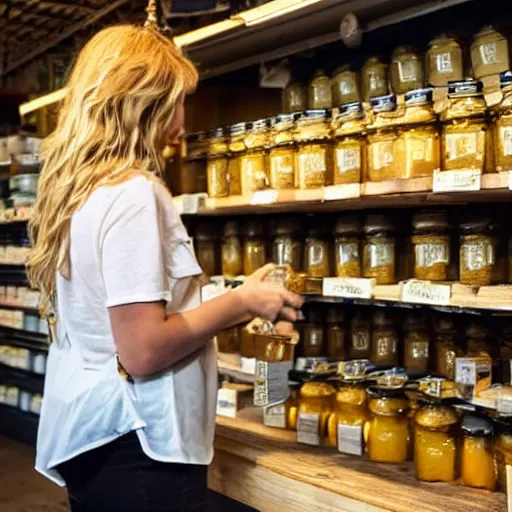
(22, 379)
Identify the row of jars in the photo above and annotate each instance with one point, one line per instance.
(406, 71)
(389, 427)
(372, 247)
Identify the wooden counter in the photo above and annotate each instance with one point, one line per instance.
(266, 469)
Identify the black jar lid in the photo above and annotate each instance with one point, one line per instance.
(258, 126)
(237, 129)
(254, 229)
(354, 107)
(285, 118)
(476, 330)
(464, 88)
(378, 224)
(216, 133)
(206, 232)
(382, 318)
(382, 392)
(430, 222)
(383, 103)
(335, 315)
(415, 322)
(195, 138)
(418, 97)
(288, 226)
(476, 226)
(232, 228)
(321, 114)
(347, 225)
(476, 425)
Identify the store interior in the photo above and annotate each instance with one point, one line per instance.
(365, 148)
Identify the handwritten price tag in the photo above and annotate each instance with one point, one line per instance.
(425, 292)
(349, 191)
(264, 197)
(457, 181)
(351, 288)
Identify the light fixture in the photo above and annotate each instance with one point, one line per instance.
(42, 101)
(272, 10)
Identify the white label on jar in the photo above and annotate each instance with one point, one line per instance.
(382, 154)
(376, 82)
(443, 62)
(275, 416)
(226, 403)
(360, 341)
(312, 162)
(350, 439)
(504, 405)
(283, 253)
(460, 145)
(348, 287)
(386, 346)
(419, 350)
(465, 371)
(348, 159)
(429, 254)
(381, 255)
(271, 382)
(506, 139)
(407, 71)
(281, 164)
(308, 429)
(477, 255)
(489, 53)
(424, 292)
(316, 255)
(457, 181)
(347, 252)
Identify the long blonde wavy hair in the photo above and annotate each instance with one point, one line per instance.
(121, 100)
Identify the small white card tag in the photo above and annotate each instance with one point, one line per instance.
(355, 288)
(425, 292)
(348, 191)
(267, 196)
(308, 429)
(457, 181)
(350, 439)
(226, 403)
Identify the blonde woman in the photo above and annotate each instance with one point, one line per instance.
(128, 414)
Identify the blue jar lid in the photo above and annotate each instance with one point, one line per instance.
(383, 103)
(465, 88)
(418, 97)
(355, 107)
(505, 79)
(237, 128)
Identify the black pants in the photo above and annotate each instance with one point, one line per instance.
(120, 477)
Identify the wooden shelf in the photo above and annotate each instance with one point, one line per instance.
(22, 379)
(266, 469)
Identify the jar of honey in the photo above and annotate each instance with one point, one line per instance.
(447, 348)
(193, 168)
(477, 252)
(229, 340)
(478, 340)
(489, 53)
(294, 98)
(319, 91)
(350, 144)
(287, 247)
(282, 153)
(313, 157)
(417, 149)
(360, 337)
(316, 404)
(236, 149)
(318, 260)
(314, 335)
(388, 436)
(254, 255)
(283, 415)
(217, 177)
(477, 457)
(384, 340)
(207, 247)
(444, 61)
(379, 250)
(500, 267)
(431, 244)
(254, 162)
(464, 127)
(337, 335)
(382, 136)
(503, 126)
(345, 86)
(406, 71)
(232, 250)
(503, 447)
(416, 345)
(374, 79)
(435, 443)
(347, 242)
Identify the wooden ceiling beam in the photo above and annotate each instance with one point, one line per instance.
(66, 5)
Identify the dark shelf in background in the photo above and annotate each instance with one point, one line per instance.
(18, 424)
(22, 379)
(15, 275)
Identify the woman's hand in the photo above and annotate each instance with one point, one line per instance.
(268, 301)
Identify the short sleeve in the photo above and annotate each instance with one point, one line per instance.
(131, 250)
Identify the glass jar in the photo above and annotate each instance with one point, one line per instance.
(500, 267)
(294, 98)
(477, 457)
(319, 91)
(384, 340)
(229, 340)
(379, 250)
(431, 244)
(478, 341)
(446, 347)
(316, 404)
(489, 53)
(313, 160)
(444, 61)
(418, 146)
(388, 436)
(360, 338)
(346, 247)
(345, 86)
(317, 261)
(254, 255)
(282, 153)
(374, 79)
(503, 449)
(416, 345)
(503, 126)
(351, 415)
(217, 177)
(232, 250)
(193, 168)
(287, 247)
(314, 335)
(207, 248)
(464, 127)
(350, 144)
(236, 149)
(435, 443)
(382, 136)
(254, 162)
(406, 71)
(477, 254)
(336, 335)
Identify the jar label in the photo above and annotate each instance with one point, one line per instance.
(271, 382)
(376, 82)
(275, 416)
(346, 252)
(489, 53)
(386, 346)
(312, 162)
(443, 63)
(348, 159)
(283, 253)
(350, 439)
(316, 337)
(428, 255)
(419, 150)
(460, 145)
(419, 350)
(408, 71)
(382, 154)
(316, 255)
(281, 164)
(218, 177)
(506, 140)
(253, 173)
(360, 341)
(477, 255)
(381, 255)
(308, 429)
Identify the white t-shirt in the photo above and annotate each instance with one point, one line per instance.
(128, 245)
